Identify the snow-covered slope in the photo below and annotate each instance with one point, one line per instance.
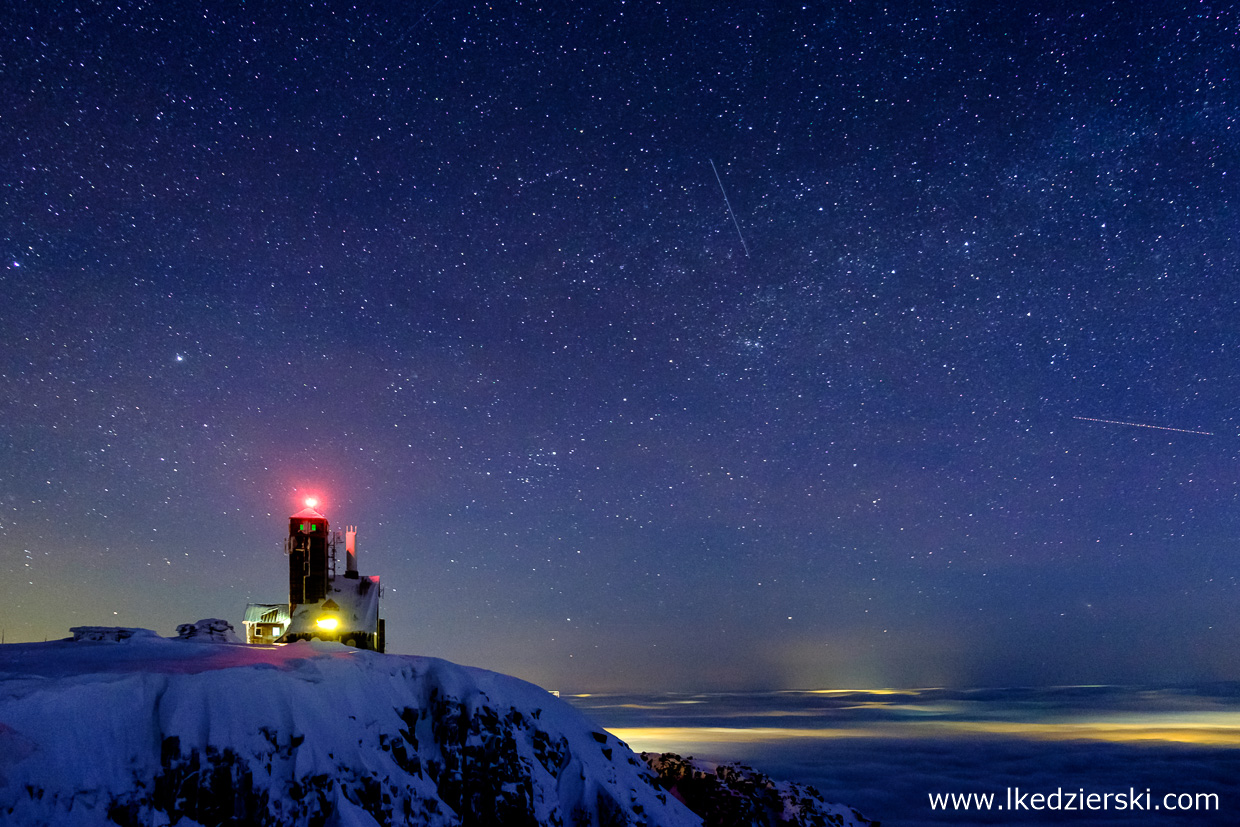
(155, 731)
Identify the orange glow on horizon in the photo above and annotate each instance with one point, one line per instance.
(1215, 730)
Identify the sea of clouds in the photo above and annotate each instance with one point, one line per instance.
(885, 752)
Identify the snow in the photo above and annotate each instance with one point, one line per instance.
(141, 729)
(108, 634)
(209, 630)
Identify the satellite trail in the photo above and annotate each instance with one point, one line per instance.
(729, 203)
(1143, 425)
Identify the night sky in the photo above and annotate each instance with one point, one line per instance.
(465, 273)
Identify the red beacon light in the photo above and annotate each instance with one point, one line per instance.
(311, 502)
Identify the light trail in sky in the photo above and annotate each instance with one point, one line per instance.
(1143, 425)
(729, 203)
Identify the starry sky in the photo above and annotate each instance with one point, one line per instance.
(648, 344)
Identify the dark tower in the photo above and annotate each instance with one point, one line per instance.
(307, 557)
(321, 605)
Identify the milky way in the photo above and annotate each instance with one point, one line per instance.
(466, 274)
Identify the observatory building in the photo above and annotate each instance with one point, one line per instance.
(321, 603)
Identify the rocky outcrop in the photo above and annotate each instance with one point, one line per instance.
(734, 795)
(122, 727)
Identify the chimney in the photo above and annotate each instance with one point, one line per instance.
(350, 550)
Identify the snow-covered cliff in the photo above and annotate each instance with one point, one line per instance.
(194, 731)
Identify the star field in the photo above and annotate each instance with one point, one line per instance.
(465, 273)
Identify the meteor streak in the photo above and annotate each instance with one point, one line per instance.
(729, 203)
(1143, 425)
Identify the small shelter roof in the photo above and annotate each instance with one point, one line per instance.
(266, 613)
